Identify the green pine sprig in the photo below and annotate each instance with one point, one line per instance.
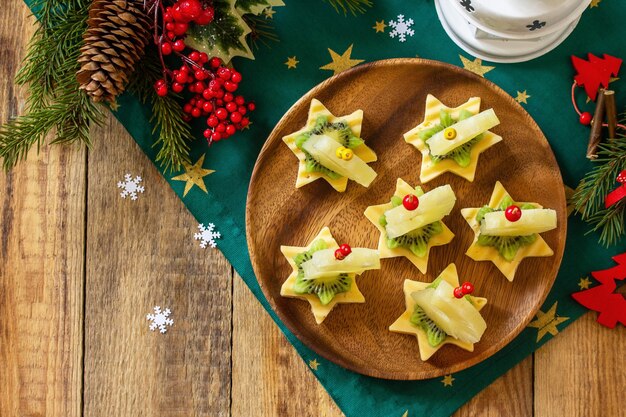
(588, 199)
(174, 134)
(55, 103)
(352, 6)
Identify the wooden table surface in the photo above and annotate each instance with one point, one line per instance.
(80, 268)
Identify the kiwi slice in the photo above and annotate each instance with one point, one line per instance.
(416, 240)
(507, 246)
(460, 155)
(311, 165)
(325, 288)
(340, 131)
(434, 334)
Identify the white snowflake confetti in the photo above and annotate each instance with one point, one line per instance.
(130, 187)
(207, 235)
(160, 319)
(401, 28)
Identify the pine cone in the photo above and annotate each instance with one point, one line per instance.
(115, 41)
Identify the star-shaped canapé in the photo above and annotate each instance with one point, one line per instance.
(373, 214)
(431, 169)
(353, 120)
(489, 253)
(194, 175)
(320, 311)
(403, 323)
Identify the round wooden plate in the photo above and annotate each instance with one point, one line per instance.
(392, 94)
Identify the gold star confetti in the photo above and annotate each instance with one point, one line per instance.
(478, 252)
(476, 66)
(522, 97)
(584, 283)
(194, 175)
(406, 414)
(314, 364)
(547, 322)
(291, 62)
(320, 311)
(341, 62)
(594, 3)
(403, 323)
(447, 380)
(379, 26)
(269, 13)
(114, 105)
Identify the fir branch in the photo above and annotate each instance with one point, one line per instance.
(56, 104)
(353, 6)
(590, 194)
(261, 31)
(167, 115)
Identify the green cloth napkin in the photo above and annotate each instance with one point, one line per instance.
(308, 31)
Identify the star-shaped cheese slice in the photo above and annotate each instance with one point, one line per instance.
(432, 170)
(403, 323)
(488, 253)
(320, 311)
(373, 214)
(354, 121)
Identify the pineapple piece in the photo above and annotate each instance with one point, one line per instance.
(466, 130)
(532, 221)
(324, 264)
(433, 206)
(323, 148)
(456, 316)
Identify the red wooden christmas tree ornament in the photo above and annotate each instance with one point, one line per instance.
(603, 298)
(595, 73)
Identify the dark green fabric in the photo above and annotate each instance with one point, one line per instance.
(306, 30)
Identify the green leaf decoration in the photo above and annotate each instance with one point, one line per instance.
(225, 37)
(256, 6)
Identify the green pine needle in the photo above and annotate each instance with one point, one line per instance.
(590, 194)
(352, 6)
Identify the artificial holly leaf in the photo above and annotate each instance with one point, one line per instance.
(256, 6)
(224, 37)
(603, 298)
(595, 72)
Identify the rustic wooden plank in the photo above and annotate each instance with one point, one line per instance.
(509, 395)
(581, 371)
(141, 254)
(269, 378)
(41, 258)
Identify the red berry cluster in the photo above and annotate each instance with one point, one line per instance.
(176, 21)
(465, 289)
(343, 251)
(211, 83)
(213, 86)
